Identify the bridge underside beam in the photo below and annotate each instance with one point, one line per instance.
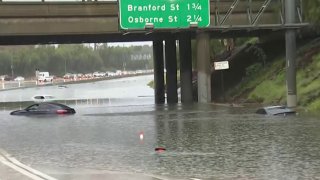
(130, 37)
(58, 26)
(77, 22)
(90, 24)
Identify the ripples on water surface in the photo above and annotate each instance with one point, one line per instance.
(202, 141)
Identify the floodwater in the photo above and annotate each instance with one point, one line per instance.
(123, 88)
(202, 141)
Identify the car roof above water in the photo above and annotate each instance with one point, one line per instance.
(50, 104)
(275, 110)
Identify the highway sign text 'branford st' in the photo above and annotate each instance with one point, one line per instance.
(137, 14)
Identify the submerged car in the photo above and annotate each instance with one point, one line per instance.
(45, 108)
(43, 98)
(276, 110)
(19, 78)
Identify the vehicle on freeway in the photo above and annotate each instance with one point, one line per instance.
(99, 74)
(44, 77)
(6, 78)
(68, 76)
(276, 110)
(19, 78)
(43, 98)
(62, 86)
(45, 108)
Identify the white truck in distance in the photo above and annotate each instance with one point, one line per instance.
(44, 77)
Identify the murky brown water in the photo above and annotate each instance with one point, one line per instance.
(202, 141)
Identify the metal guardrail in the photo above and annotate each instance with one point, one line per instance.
(6, 85)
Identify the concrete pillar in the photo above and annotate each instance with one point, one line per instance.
(290, 17)
(185, 68)
(203, 65)
(171, 66)
(158, 71)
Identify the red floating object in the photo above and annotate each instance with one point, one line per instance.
(160, 149)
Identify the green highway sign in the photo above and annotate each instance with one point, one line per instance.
(141, 14)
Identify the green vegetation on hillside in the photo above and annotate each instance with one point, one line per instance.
(267, 84)
(309, 84)
(311, 10)
(263, 84)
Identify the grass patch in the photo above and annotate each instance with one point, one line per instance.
(273, 72)
(314, 106)
(268, 92)
(268, 84)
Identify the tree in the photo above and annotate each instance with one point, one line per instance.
(312, 11)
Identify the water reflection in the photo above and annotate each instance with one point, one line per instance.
(218, 144)
(201, 140)
(81, 102)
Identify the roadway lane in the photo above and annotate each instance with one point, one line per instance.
(123, 88)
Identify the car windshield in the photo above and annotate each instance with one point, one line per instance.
(33, 107)
(159, 89)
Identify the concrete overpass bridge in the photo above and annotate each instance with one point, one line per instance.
(98, 21)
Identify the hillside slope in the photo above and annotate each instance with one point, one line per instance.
(267, 84)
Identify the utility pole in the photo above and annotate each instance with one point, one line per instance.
(12, 71)
(12, 74)
(290, 17)
(65, 66)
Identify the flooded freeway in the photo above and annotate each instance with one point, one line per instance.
(118, 136)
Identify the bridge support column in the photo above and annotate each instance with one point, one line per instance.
(171, 67)
(203, 65)
(158, 71)
(291, 54)
(185, 68)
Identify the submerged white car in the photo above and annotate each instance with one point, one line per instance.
(19, 78)
(43, 98)
(276, 110)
